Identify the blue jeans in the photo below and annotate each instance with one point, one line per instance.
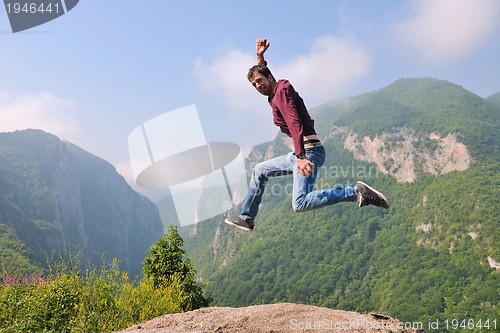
(303, 197)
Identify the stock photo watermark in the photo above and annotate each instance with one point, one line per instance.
(358, 324)
(26, 14)
(328, 177)
(365, 325)
(170, 153)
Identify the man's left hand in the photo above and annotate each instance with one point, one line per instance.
(305, 166)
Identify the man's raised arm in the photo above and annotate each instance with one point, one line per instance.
(260, 48)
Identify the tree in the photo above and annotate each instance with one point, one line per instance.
(166, 262)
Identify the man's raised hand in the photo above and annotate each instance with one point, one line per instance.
(261, 46)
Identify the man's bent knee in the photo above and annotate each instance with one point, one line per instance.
(298, 205)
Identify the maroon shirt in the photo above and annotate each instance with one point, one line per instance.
(291, 115)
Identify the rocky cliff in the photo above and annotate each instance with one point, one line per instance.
(66, 200)
(402, 153)
(406, 155)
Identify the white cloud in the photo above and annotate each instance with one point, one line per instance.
(326, 72)
(443, 31)
(43, 111)
(226, 77)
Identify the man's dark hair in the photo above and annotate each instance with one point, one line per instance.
(261, 69)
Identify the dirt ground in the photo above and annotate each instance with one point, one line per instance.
(276, 318)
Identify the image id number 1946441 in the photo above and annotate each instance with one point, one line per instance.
(471, 324)
(32, 8)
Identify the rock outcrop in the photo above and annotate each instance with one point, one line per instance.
(276, 318)
(404, 154)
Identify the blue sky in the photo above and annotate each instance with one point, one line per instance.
(96, 73)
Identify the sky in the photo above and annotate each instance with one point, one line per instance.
(98, 72)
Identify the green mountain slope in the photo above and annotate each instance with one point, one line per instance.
(427, 258)
(424, 105)
(15, 257)
(495, 97)
(56, 198)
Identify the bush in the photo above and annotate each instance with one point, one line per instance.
(102, 300)
(166, 264)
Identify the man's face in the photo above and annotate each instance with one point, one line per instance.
(263, 84)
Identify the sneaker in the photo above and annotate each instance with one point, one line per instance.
(240, 223)
(369, 196)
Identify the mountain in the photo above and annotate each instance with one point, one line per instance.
(422, 105)
(57, 199)
(495, 97)
(433, 148)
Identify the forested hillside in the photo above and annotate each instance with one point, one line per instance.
(495, 97)
(58, 200)
(431, 256)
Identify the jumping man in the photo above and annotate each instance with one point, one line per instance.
(291, 116)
